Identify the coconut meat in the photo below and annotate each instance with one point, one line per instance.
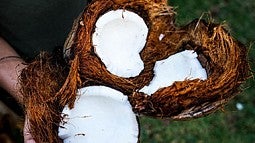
(119, 37)
(179, 67)
(161, 36)
(100, 115)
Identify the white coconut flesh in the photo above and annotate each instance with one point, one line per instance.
(119, 37)
(179, 67)
(100, 115)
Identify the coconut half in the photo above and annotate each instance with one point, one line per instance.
(100, 115)
(119, 37)
(178, 67)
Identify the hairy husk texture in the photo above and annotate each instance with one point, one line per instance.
(42, 83)
(49, 83)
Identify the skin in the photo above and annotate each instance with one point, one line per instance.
(9, 77)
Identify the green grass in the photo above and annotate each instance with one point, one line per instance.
(230, 125)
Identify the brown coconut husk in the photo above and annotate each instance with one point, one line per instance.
(48, 83)
(157, 16)
(41, 81)
(225, 61)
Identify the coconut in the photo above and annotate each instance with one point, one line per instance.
(217, 52)
(224, 60)
(83, 42)
(119, 37)
(183, 66)
(100, 114)
(162, 70)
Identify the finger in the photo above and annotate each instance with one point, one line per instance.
(28, 138)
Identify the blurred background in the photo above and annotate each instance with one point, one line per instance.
(236, 122)
(233, 124)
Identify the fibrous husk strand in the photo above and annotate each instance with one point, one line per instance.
(40, 82)
(72, 82)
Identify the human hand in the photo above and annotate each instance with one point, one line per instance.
(28, 138)
(11, 67)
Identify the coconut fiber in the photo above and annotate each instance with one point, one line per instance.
(50, 82)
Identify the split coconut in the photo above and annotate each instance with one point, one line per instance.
(100, 115)
(119, 37)
(127, 57)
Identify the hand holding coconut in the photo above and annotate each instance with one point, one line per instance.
(127, 58)
(11, 67)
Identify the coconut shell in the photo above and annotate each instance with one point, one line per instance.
(159, 19)
(49, 83)
(225, 61)
(223, 57)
